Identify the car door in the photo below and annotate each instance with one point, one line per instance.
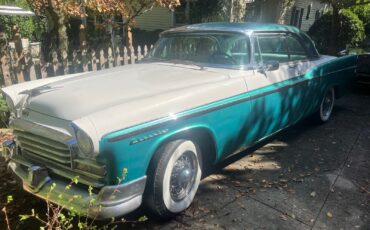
(302, 85)
(273, 102)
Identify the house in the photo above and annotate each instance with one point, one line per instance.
(300, 13)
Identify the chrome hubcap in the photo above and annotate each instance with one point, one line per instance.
(327, 104)
(183, 176)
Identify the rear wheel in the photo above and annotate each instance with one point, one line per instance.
(326, 106)
(173, 178)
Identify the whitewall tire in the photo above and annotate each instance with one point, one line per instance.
(327, 105)
(173, 178)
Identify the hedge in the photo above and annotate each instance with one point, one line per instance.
(351, 31)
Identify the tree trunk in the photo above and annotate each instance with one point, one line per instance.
(231, 19)
(62, 34)
(57, 34)
(284, 8)
(187, 12)
(334, 30)
(128, 36)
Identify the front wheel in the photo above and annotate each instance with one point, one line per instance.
(173, 178)
(326, 106)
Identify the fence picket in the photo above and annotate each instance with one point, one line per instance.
(94, 66)
(84, 60)
(139, 54)
(29, 69)
(55, 63)
(65, 62)
(145, 50)
(132, 55)
(125, 56)
(102, 59)
(43, 68)
(110, 58)
(118, 57)
(5, 69)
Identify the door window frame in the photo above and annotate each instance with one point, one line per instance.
(254, 40)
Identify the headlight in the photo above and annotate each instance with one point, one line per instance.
(84, 142)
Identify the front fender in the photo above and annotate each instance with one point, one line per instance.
(134, 153)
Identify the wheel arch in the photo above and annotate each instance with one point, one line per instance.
(203, 136)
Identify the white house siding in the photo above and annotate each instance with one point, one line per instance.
(158, 18)
(316, 5)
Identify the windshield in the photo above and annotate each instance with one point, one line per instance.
(202, 48)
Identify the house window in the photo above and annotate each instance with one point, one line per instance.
(297, 17)
(293, 15)
(300, 18)
(308, 12)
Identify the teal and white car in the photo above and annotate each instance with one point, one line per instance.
(203, 93)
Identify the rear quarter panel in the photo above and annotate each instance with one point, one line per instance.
(339, 73)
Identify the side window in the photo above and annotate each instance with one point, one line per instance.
(238, 49)
(271, 48)
(296, 50)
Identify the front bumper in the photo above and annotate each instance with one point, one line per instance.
(111, 201)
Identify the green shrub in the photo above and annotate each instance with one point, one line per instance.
(363, 13)
(30, 26)
(351, 31)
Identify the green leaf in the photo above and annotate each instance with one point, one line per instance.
(143, 218)
(24, 217)
(90, 189)
(75, 179)
(9, 199)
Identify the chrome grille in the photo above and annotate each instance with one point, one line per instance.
(57, 157)
(43, 147)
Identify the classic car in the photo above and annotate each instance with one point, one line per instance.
(204, 93)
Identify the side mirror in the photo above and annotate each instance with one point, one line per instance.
(268, 66)
(271, 65)
(342, 53)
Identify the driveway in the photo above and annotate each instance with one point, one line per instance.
(307, 177)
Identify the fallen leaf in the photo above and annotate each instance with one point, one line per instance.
(329, 214)
(283, 217)
(313, 194)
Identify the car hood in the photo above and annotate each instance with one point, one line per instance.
(73, 98)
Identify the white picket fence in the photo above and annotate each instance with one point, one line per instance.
(28, 66)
